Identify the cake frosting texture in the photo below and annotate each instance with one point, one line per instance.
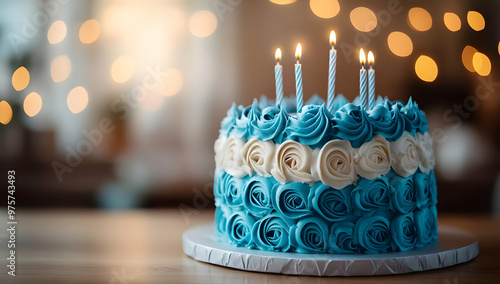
(351, 181)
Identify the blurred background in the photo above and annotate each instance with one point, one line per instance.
(117, 104)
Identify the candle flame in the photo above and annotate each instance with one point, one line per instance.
(371, 58)
(278, 54)
(362, 57)
(298, 52)
(333, 38)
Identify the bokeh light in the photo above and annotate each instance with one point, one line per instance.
(32, 104)
(57, 32)
(20, 78)
(325, 9)
(202, 23)
(60, 68)
(426, 68)
(123, 69)
(467, 55)
(173, 83)
(78, 99)
(89, 31)
(452, 21)
(400, 44)
(475, 20)
(481, 63)
(283, 2)
(5, 112)
(363, 19)
(420, 19)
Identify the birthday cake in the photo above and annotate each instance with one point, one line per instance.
(315, 181)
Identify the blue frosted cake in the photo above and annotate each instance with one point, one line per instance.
(351, 181)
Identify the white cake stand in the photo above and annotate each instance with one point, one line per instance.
(453, 247)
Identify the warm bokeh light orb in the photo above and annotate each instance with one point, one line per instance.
(363, 19)
(60, 68)
(426, 68)
(452, 21)
(57, 32)
(173, 83)
(202, 23)
(5, 112)
(420, 20)
(32, 104)
(475, 20)
(78, 99)
(325, 9)
(283, 2)
(20, 78)
(89, 31)
(400, 44)
(122, 69)
(481, 63)
(467, 55)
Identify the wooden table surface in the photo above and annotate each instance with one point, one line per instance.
(146, 247)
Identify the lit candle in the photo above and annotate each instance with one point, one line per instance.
(331, 72)
(278, 74)
(371, 81)
(298, 77)
(362, 78)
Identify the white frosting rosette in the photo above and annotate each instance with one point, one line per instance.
(292, 162)
(427, 158)
(219, 149)
(258, 157)
(231, 160)
(405, 155)
(373, 159)
(333, 164)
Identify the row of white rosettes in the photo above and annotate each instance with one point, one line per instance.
(336, 164)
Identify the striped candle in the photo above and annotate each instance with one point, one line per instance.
(278, 74)
(298, 78)
(332, 70)
(362, 79)
(371, 81)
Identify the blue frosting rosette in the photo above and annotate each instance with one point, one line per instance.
(387, 121)
(239, 229)
(232, 195)
(341, 238)
(257, 195)
(403, 196)
(270, 125)
(333, 204)
(403, 232)
(370, 195)
(311, 127)
(220, 223)
(423, 189)
(351, 123)
(373, 234)
(291, 199)
(415, 119)
(433, 187)
(243, 123)
(219, 190)
(310, 235)
(272, 233)
(229, 121)
(426, 224)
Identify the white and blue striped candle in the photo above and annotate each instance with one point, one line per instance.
(371, 81)
(298, 78)
(332, 70)
(278, 74)
(362, 79)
